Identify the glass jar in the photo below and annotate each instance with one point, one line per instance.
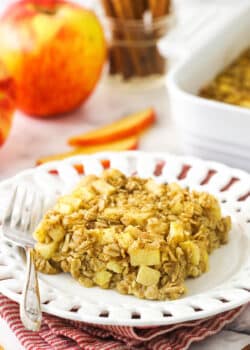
(133, 39)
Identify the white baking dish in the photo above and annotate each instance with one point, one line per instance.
(211, 129)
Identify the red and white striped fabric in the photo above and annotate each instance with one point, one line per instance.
(60, 334)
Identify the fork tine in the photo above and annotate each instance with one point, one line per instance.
(37, 214)
(8, 213)
(27, 209)
(34, 213)
(24, 210)
(21, 200)
(42, 207)
(33, 219)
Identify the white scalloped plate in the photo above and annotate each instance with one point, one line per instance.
(224, 287)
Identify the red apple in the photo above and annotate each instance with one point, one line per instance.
(7, 104)
(55, 50)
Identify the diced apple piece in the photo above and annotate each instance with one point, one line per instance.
(101, 186)
(57, 233)
(40, 233)
(84, 193)
(176, 233)
(177, 208)
(147, 276)
(114, 266)
(133, 231)
(74, 201)
(102, 278)
(114, 177)
(174, 187)
(67, 204)
(192, 252)
(216, 210)
(112, 214)
(135, 218)
(64, 208)
(86, 180)
(144, 257)
(108, 235)
(125, 240)
(46, 250)
(153, 187)
(131, 143)
(125, 127)
(156, 227)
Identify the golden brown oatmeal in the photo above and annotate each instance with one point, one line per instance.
(233, 84)
(131, 234)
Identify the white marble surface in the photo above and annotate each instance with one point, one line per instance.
(31, 138)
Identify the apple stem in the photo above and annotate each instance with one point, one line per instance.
(45, 10)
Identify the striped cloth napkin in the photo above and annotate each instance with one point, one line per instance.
(60, 334)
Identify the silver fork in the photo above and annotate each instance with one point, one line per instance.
(22, 215)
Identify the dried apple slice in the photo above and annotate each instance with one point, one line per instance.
(122, 145)
(131, 125)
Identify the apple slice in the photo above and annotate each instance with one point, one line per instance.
(122, 145)
(131, 125)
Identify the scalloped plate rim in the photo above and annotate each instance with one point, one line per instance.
(133, 322)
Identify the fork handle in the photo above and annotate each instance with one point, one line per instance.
(30, 306)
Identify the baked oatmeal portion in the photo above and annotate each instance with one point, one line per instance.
(131, 234)
(233, 84)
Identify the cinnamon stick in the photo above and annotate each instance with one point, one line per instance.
(115, 54)
(152, 5)
(122, 62)
(139, 8)
(167, 9)
(141, 36)
(124, 10)
(108, 8)
(158, 8)
(128, 55)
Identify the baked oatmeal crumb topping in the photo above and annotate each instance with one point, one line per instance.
(131, 234)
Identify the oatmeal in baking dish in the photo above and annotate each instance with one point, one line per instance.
(233, 84)
(131, 234)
